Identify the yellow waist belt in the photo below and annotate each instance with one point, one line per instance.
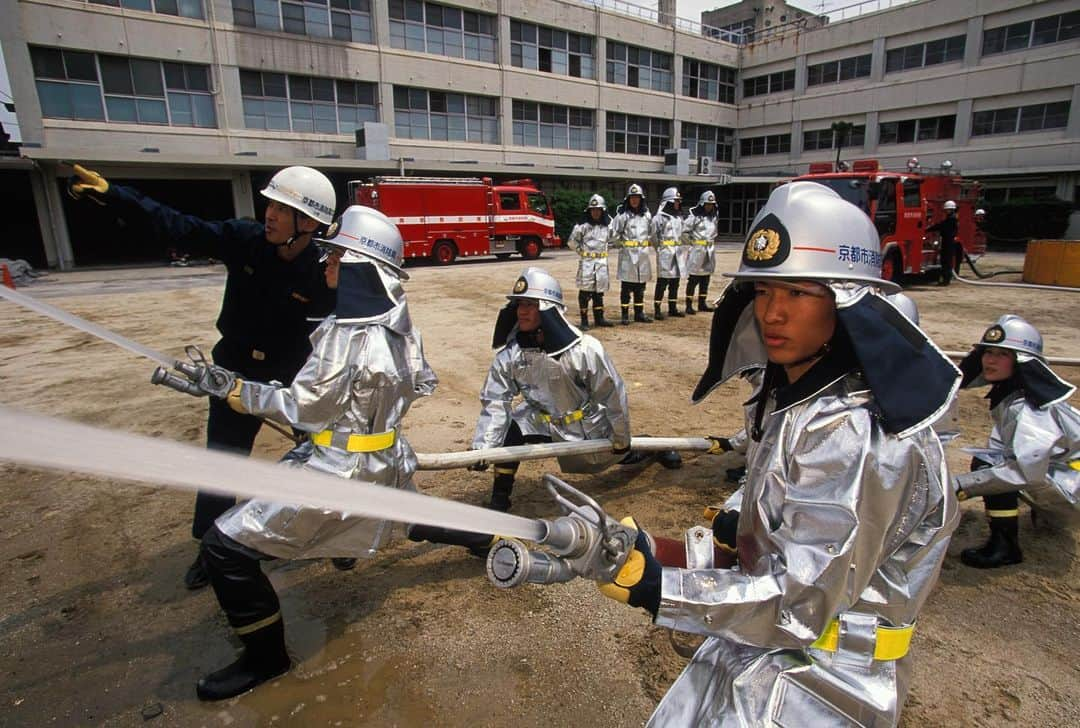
(587, 254)
(668, 243)
(635, 243)
(701, 242)
(354, 443)
(565, 419)
(892, 642)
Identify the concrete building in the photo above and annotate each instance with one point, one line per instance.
(199, 101)
(757, 18)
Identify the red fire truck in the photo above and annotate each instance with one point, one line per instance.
(444, 217)
(902, 205)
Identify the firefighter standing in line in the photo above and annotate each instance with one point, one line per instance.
(950, 256)
(666, 232)
(699, 236)
(846, 514)
(366, 368)
(590, 239)
(630, 234)
(275, 287)
(1035, 443)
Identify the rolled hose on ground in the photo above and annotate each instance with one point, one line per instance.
(971, 264)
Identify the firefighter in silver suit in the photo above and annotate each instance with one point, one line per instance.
(630, 233)
(845, 517)
(1034, 445)
(366, 368)
(666, 232)
(589, 239)
(699, 239)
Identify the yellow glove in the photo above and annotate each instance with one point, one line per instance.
(233, 397)
(638, 581)
(86, 180)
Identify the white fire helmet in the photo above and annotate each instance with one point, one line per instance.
(980, 213)
(906, 306)
(670, 195)
(708, 197)
(539, 285)
(305, 190)
(1013, 332)
(950, 205)
(635, 189)
(806, 231)
(369, 233)
(598, 202)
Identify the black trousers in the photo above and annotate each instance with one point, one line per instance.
(699, 282)
(242, 589)
(228, 431)
(950, 260)
(672, 286)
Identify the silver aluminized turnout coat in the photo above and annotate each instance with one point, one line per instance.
(699, 238)
(569, 392)
(366, 368)
(846, 534)
(1032, 448)
(630, 233)
(666, 232)
(590, 240)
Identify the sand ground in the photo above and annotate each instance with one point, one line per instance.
(97, 628)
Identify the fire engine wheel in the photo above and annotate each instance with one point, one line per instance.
(530, 248)
(443, 253)
(892, 268)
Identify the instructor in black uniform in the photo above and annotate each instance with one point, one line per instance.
(274, 288)
(950, 256)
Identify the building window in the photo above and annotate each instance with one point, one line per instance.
(554, 127)
(827, 139)
(551, 50)
(770, 83)
(932, 128)
(348, 20)
(279, 102)
(1018, 36)
(837, 71)
(707, 141)
(639, 67)
(628, 134)
(925, 54)
(423, 114)
(443, 30)
(75, 85)
(1037, 117)
(703, 80)
(762, 145)
(181, 8)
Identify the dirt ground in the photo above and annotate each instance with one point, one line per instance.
(96, 627)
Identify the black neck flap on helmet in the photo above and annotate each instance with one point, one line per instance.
(699, 211)
(624, 206)
(559, 334)
(1042, 387)
(605, 218)
(912, 381)
(361, 293)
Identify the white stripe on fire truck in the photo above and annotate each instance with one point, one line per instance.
(431, 219)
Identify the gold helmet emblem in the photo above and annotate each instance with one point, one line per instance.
(332, 231)
(762, 244)
(995, 334)
(521, 286)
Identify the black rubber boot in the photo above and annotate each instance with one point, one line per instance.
(670, 459)
(196, 577)
(625, 315)
(673, 309)
(264, 658)
(657, 313)
(501, 490)
(598, 317)
(584, 321)
(343, 563)
(1002, 549)
(639, 314)
(478, 544)
(690, 305)
(703, 305)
